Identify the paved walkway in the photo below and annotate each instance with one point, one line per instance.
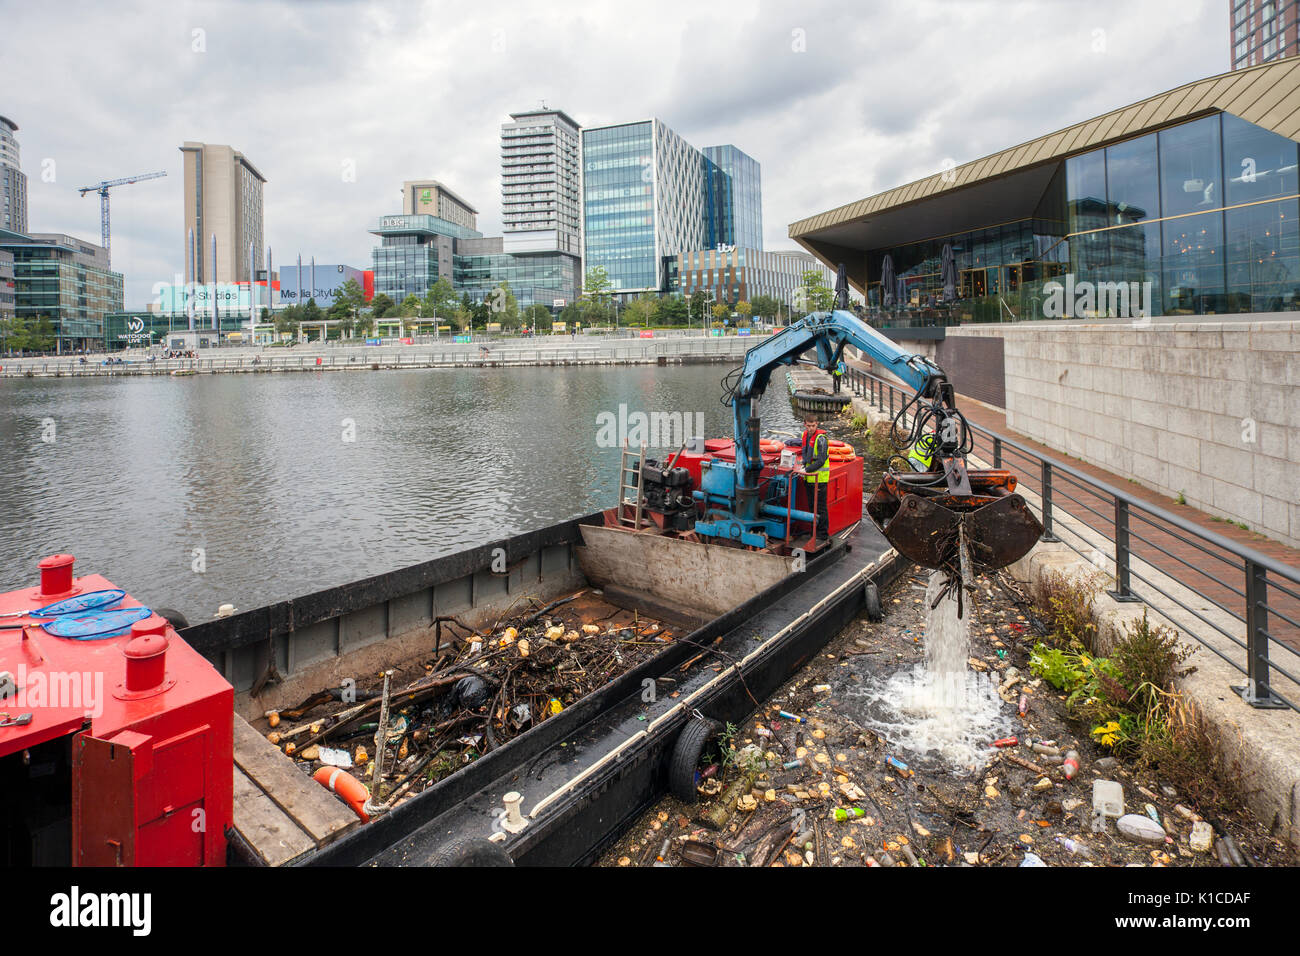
(1197, 564)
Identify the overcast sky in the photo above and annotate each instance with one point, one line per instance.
(836, 100)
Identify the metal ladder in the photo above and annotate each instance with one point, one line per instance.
(624, 487)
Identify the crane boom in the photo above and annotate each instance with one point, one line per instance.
(103, 188)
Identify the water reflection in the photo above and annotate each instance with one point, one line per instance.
(253, 478)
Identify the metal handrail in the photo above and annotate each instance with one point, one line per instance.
(1256, 566)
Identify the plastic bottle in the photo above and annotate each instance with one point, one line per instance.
(1074, 847)
(1033, 859)
(1071, 765)
(1006, 742)
(842, 813)
(1023, 707)
(793, 718)
(792, 764)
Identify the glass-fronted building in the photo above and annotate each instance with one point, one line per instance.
(648, 196)
(644, 198)
(66, 280)
(13, 181)
(735, 201)
(481, 266)
(413, 252)
(1193, 213)
(729, 275)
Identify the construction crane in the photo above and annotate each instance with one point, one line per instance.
(102, 189)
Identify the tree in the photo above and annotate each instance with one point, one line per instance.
(671, 310)
(598, 287)
(463, 317)
(41, 338)
(311, 313)
(410, 306)
(440, 301)
(815, 295)
(571, 314)
(14, 334)
(504, 306)
(720, 312)
(597, 293)
(744, 310)
(641, 310)
(381, 306)
(766, 306)
(538, 316)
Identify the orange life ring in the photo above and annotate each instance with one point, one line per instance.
(352, 790)
(770, 445)
(840, 451)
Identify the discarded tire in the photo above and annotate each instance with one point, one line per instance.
(173, 617)
(470, 851)
(685, 761)
(871, 598)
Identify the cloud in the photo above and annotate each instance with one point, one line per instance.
(836, 100)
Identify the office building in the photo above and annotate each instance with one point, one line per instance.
(429, 197)
(324, 283)
(541, 182)
(728, 274)
(650, 196)
(645, 199)
(8, 298)
(735, 200)
(13, 182)
(1187, 200)
(1263, 31)
(223, 197)
(66, 280)
(413, 252)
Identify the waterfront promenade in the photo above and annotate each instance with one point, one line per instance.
(671, 349)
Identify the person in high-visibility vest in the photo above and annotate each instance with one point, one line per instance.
(922, 453)
(817, 472)
(839, 375)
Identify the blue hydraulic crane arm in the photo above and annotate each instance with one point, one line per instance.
(827, 333)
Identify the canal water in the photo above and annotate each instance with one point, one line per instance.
(247, 489)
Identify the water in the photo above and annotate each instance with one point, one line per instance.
(194, 492)
(940, 712)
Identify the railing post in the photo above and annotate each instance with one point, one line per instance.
(997, 452)
(1122, 555)
(891, 401)
(1047, 503)
(1256, 691)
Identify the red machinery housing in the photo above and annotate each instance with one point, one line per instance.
(127, 756)
(844, 487)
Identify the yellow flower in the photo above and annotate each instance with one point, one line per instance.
(1107, 734)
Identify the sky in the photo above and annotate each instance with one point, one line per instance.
(336, 103)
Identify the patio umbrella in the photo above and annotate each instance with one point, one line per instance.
(887, 283)
(841, 289)
(948, 273)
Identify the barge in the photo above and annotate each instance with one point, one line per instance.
(177, 735)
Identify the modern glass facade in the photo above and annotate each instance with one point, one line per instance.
(536, 279)
(1205, 211)
(13, 181)
(645, 196)
(735, 199)
(65, 280)
(732, 275)
(413, 252)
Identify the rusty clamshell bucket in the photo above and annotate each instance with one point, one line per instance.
(988, 529)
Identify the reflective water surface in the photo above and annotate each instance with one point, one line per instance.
(194, 492)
